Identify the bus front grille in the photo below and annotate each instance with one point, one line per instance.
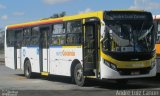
(138, 71)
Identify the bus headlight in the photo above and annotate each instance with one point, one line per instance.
(112, 66)
(153, 63)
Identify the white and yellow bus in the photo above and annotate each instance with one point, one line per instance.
(116, 44)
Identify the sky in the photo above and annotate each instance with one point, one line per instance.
(19, 11)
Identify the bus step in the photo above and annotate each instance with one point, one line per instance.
(44, 73)
(88, 72)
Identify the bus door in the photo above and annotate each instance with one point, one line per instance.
(43, 49)
(90, 47)
(18, 45)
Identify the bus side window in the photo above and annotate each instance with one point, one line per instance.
(58, 35)
(35, 36)
(58, 28)
(10, 38)
(54, 40)
(27, 36)
(18, 38)
(74, 32)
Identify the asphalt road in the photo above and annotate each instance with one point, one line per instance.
(14, 83)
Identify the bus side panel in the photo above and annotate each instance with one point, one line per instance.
(18, 51)
(9, 57)
(33, 55)
(62, 58)
(23, 57)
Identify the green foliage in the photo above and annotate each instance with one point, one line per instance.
(57, 15)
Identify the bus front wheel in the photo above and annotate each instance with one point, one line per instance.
(78, 75)
(27, 69)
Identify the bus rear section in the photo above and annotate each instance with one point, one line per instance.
(157, 21)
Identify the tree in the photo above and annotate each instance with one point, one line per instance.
(57, 15)
(62, 14)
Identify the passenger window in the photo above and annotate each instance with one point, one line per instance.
(35, 31)
(35, 34)
(27, 37)
(10, 38)
(74, 32)
(58, 40)
(58, 28)
(74, 39)
(74, 27)
(18, 38)
(58, 35)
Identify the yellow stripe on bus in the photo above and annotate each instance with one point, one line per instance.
(71, 46)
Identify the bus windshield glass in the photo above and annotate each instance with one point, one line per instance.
(128, 32)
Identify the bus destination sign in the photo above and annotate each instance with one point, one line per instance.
(128, 16)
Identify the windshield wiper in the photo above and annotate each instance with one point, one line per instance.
(146, 33)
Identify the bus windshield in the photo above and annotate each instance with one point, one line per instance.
(128, 35)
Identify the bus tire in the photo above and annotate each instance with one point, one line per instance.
(78, 75)
(27, 69)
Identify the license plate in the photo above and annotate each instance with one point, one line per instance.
(135, 73)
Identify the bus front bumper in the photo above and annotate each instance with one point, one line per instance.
(108, 73)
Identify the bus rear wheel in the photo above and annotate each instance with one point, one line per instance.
(78, 75)
(27, 69)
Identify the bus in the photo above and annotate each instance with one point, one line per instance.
(157, 21)
(106, 45)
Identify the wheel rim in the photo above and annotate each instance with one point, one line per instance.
(79, 75)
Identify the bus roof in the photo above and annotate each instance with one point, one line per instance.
(98, 14)
(127, 10)
(53, 20)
